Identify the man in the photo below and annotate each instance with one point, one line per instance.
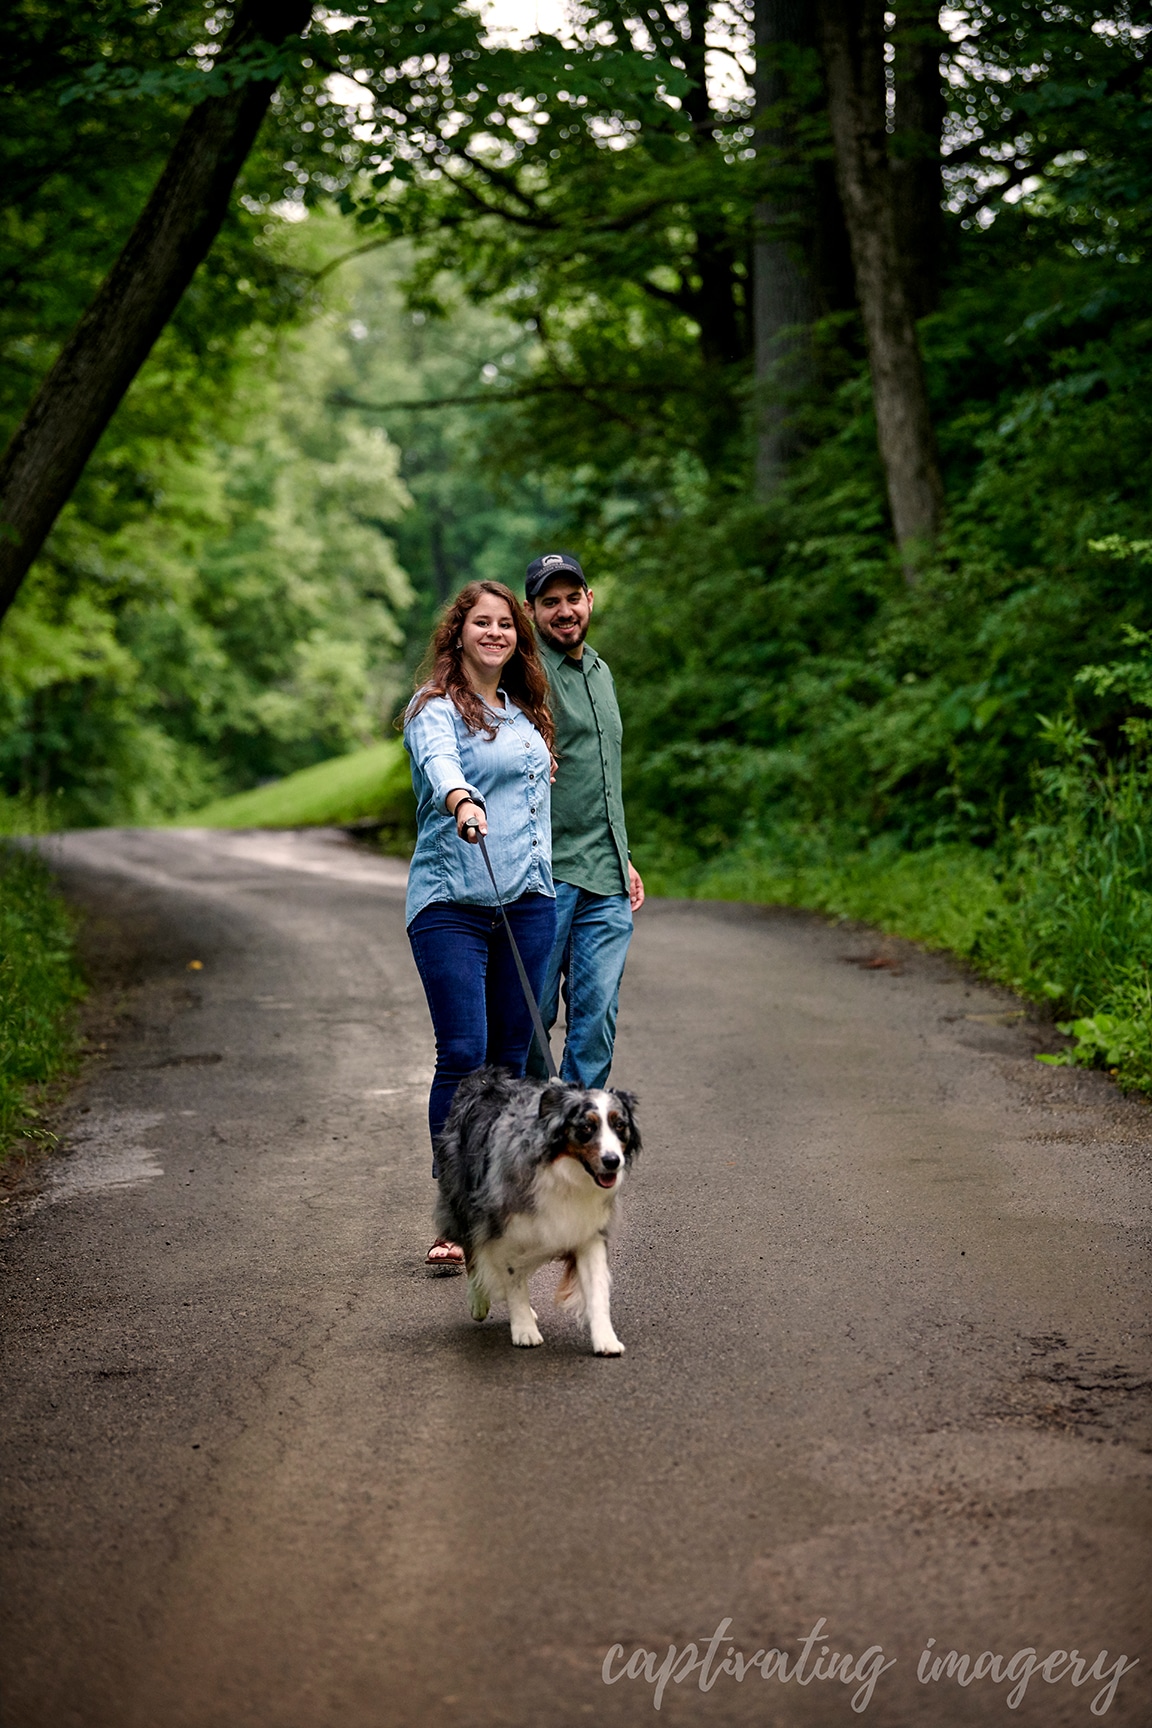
(597, 890)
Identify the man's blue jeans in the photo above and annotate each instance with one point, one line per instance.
(474, 995)
(592, 936)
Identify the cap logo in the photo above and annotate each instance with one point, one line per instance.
(552, 558)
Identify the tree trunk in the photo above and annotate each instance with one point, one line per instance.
(832, 273)
(783, 294)
(914, 150)
(853, 40)
(722, 342)
(76, 400)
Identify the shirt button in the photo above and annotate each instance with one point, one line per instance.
(535, 842)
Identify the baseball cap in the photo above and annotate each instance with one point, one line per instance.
(542, 570)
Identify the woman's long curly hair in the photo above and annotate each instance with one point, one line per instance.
(441, 672)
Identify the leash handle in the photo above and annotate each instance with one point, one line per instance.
(533, 1006)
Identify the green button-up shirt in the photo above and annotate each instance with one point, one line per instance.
(589, 840)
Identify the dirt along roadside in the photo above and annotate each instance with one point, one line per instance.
(883, 1282)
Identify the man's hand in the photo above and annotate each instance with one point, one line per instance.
(635, 888)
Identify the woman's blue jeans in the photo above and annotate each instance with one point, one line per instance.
(478, 1009)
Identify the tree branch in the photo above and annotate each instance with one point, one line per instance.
(539, 224)
(105, 351)
(501, 177)
(356, 252)
(1020, 172)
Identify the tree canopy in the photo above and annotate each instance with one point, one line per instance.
(571, 261)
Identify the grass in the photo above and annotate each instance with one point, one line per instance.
(944, 898)
(371, 786)
(1060, 911)
(39, 986)
(29, 813)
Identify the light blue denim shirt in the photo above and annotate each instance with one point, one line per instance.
(511, 774)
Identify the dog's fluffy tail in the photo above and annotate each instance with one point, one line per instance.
(568, 1291)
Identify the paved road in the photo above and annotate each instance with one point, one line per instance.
(881, 1278)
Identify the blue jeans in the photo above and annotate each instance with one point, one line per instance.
(478, 1010)
(592, 936)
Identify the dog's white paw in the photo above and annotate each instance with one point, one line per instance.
(478, 1303)
(608, 1347)
(526, 1337)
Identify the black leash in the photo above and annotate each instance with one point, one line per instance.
(533, 1006)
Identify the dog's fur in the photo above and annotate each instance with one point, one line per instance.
(529, 1172)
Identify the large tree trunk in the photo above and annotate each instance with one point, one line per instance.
(853, 40)
(80, 394)
(832, 272)
(784, 302)
(801, 258)
(722, 341)
(914, 150)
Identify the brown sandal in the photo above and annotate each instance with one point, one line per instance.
(445, 1256)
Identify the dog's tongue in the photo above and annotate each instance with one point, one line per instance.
(606, 1181)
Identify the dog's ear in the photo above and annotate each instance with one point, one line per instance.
(628, 1102)
(553, 1098)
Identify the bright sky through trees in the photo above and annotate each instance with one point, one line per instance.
(512, 21)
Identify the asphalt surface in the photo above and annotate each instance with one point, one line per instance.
(882, 1279)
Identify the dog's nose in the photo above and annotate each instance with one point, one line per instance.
(611, 1160)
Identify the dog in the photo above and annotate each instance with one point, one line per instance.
(529, 1172)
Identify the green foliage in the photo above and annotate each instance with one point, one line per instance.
(610, 188)
(592, 186)
(370, 787)
(239, 623)
(220, 602)
(963, 763)
(1120, 1041)
(944, 897)
(27, 813)
(1084, 859)
(421, 373)
(75, 177)
(773, 662)
(39, 985)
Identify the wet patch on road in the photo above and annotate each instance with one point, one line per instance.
(106, 1153)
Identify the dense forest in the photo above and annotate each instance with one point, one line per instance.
(822, 332)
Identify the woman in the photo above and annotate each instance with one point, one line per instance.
(479, 734)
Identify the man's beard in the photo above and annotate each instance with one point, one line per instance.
(555, 641)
